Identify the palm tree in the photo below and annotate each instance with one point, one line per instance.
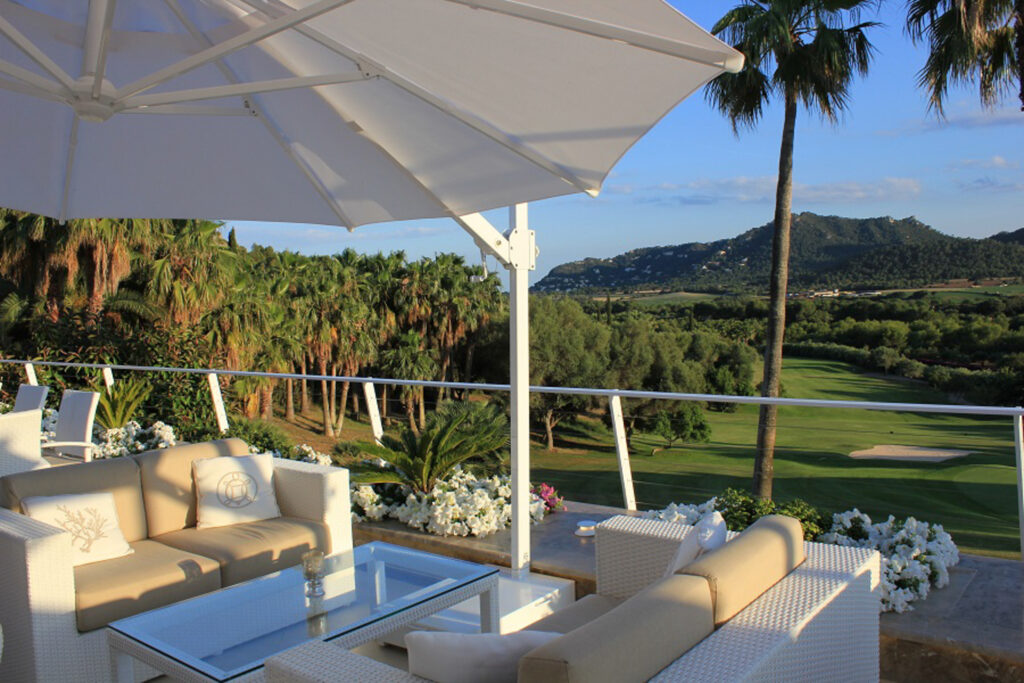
(799, 50)
(457, 434)
(408, 360)
(969, 40)
(192, 271)
(320, 292)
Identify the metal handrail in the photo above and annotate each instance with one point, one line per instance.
(1001, 411)
(614, 396)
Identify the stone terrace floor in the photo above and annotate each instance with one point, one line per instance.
(972, 630)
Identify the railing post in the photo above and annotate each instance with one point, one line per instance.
(622, 451)
(108, 377)
(373, 410)
(218, 402)
(30, 374)
(1018, 446)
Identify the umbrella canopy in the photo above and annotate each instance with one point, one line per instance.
(339, 112)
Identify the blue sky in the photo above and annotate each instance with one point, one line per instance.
(691, 179)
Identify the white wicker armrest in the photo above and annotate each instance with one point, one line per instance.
(632, 553)
(319, 662)
(316, 492)
(38, 605)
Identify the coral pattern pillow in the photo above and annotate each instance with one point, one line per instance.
(90, 519)
(471, 657)
(234, 490)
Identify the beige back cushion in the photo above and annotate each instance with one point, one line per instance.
(745, 567)
(119, 476)
(631, 642)
(168, 489)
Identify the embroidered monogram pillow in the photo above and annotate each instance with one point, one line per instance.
(232, 490)
(90, 519)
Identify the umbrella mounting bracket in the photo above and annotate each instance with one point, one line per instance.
(515, 250)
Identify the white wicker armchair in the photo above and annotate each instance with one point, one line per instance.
(819, 623)
(37, 581)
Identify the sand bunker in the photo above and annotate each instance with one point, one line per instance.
(913, 453)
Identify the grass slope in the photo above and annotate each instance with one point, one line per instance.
(973, 497)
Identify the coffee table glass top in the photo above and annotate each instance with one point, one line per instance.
(232, 631)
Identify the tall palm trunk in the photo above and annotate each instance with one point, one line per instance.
(267, 402)
(384, 403)
(764, 467)
(334, 391)
(289, 397)
(467, 368)
(345, 386)
(410, 410)
(303, 388)
(325, 400)
(423, 407)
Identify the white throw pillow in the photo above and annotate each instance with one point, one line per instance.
(711, 531)
(90, 518)
(471, 657)
(689, 549)
(234, 490)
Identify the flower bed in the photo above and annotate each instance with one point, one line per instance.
(462, 505)
(916, 556)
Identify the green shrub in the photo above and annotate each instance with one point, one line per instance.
(347, 450)
(262, 435)
(740, 509)
(119, 403)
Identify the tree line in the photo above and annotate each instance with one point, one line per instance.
(177, 293)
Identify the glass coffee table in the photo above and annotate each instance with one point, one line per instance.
(228, 634)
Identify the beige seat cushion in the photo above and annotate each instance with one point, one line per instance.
(167, 486)
(253, 549)
(631, 642)
(741, 570)
(153, 576)
(119, 476)
(583, 611)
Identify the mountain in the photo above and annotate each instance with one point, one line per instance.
(825, 251)
(1015, 237)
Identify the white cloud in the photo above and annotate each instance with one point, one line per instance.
(995, 162)
(988, 184)
(761, 189)
(974, 120)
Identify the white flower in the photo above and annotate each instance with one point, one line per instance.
(462, 505)
(915, 555)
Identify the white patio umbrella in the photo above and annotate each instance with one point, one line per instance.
(341, 112)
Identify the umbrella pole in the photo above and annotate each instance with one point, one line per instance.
(516, 251)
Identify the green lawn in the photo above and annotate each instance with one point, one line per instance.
(673, 298)
(973, 497)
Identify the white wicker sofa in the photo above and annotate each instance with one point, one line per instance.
(818, 623)
(53, 613)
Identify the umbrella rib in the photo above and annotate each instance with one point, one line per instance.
(190, 110)
(726, 58)
(272, 128)
(36, 55)
(25, 89)
(218, 50)
(100, 67)
(72, 145)
(34, 80)
(239, 89)
(481, 126)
